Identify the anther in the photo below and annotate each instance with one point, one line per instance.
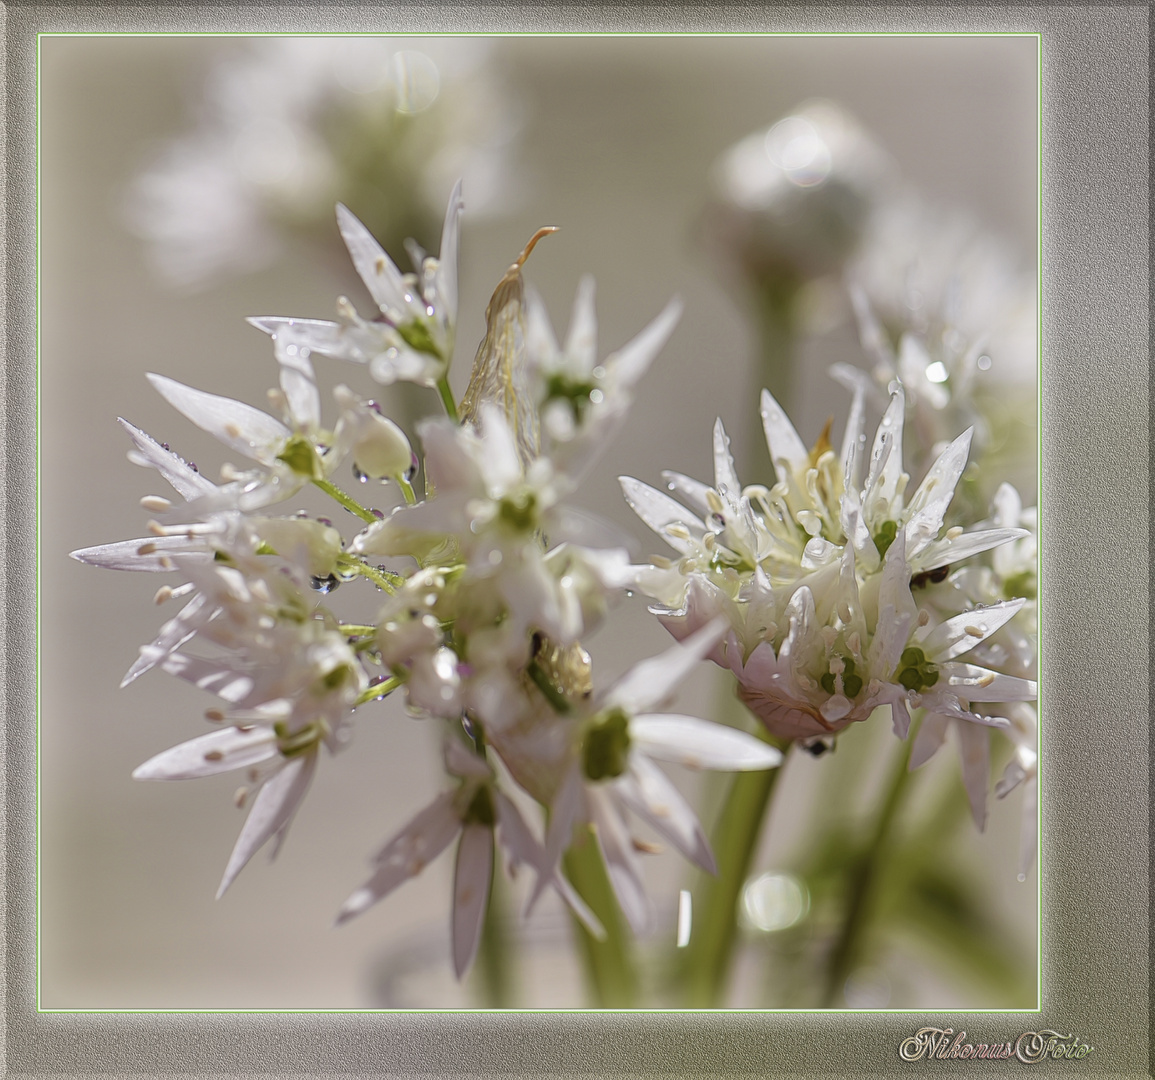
(146, 549)
(214, 755)
(215, 715)
(158, 504)
(923, 617)
(162, 594)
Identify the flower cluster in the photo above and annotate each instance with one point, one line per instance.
(844, 593)
(286, 126)
(484, 588)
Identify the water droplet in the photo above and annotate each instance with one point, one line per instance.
(193, 465)
(325, 521)
(324, 584)
(412, 470)
(629, 592)
(984, 364)
(359, 475)
(378, 514)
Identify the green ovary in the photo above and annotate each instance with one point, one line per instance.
(606, 750)
(518, 511)
(915, 672)
(851, 680)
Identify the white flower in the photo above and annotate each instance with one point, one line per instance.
(611, 769)
(477, 813)
(412, 339)
(285, 129)
(582, 402)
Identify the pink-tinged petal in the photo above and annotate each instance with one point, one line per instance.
(650, 795)
(376, 269)
(621, 859)
(782, 440)
(271, 814)
(218, 678)
(652, 681)
(172, 636)
(581, 343)
(569, 807)
(659, 512)
(700, 744)
(126, 554)
(239, 426)
(471, 879)
(931, 735)
(692, 492)
(186, 481)
(725, 477)
(961, 633)
(630, 362)
(974, 756)
(578, 906)
(978, 684)
(447, 259)
(943, 552)
(407, 854)
(447, 464)
(463, 762)
(219, 751)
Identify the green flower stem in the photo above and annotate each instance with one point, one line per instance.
(373, 693)
(776, 323)
(407, 491)
(609, 964)
(447, 398)
(706, 961)
(385, 582)
(862, 883)
(346, 501)
(495, 951)
(356, 629)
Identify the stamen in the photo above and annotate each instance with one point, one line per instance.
(158, 504)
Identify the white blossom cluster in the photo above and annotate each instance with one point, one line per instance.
(287, 125)
(484, 592)
(843, 591)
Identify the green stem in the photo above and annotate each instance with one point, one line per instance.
(848, 944)
(552, 694)
(356, 629)
(494, 953)
(407, 491)
(383, 580)
(447, 398)
(373, 693)
(706, 962)
(776, 322)
(609, 964)
(346, 501)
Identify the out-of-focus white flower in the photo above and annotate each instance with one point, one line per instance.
(792, 202)
(290, 126)
(580, 400)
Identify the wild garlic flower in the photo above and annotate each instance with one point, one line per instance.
(818, 578)
(411, 337)
(289, 126)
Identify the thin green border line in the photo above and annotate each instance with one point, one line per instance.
(1038, 429)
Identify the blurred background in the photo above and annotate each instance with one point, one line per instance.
(188, 182)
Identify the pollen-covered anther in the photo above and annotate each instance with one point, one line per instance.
(162, 594)
(215, 715)
(214, 755)
(157, 529)
(678, 531)
(158, 504)
(954, 532)
(986, 680)
(923, 617)
(713, 501)
(146, 549)
(844, 612)
(239, 797)
(975, 631)
(645, 847)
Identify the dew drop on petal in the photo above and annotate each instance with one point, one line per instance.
(324, 585)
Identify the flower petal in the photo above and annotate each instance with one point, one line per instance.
(581, 343)
(653, 680)
(943, 552)
(782, 440)
(630, 362)
(934, 494)
(978, 684)
(473, 873)
(700, 744)
(961, 633)
(219, 751)
(126, 554)
(659, 511)
(975, 759)
(239, 426)
(650, 795)
(447, 260)
(621, 859)
(186, 481)
(725, 477)
(381, 276)
(172, 636)
(407, 854)
(271, 814)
